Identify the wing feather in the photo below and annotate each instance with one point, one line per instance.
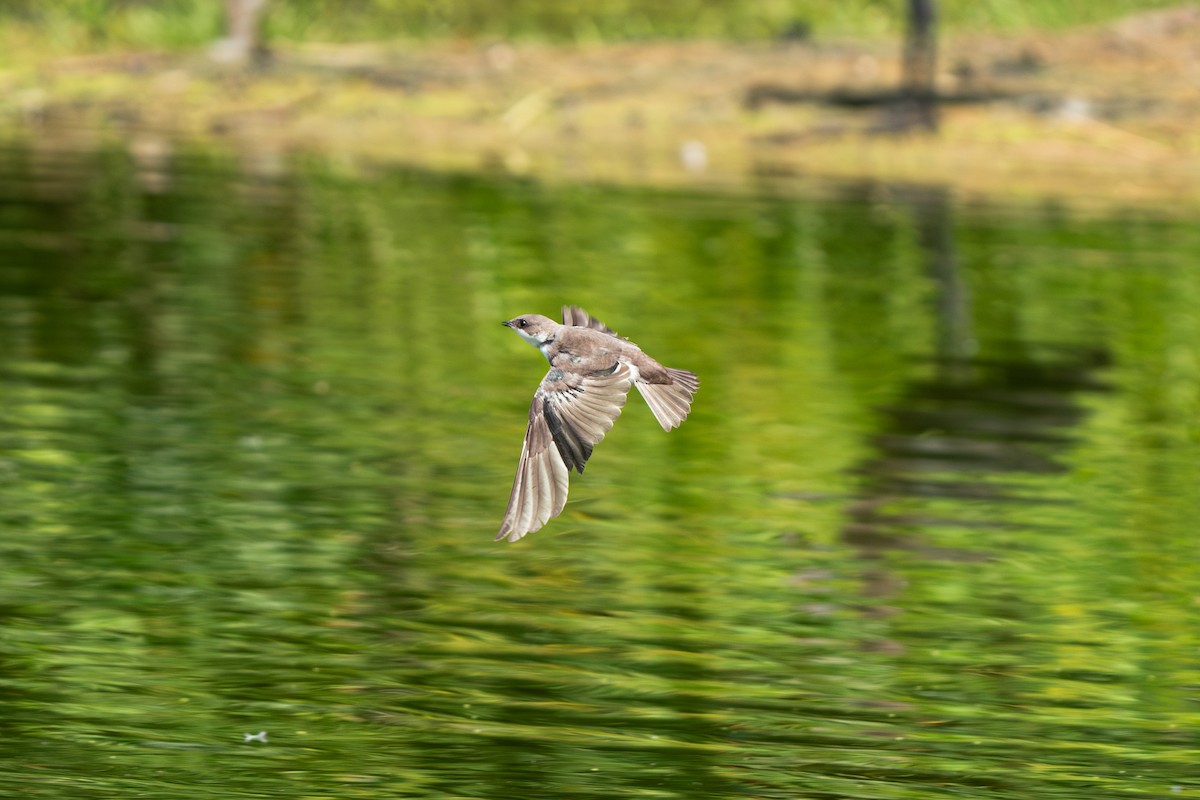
(540, 488)
(568, 416)
(574, 315)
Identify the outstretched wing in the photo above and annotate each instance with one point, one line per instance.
(574, 315)
(568, 416)
(540, 489)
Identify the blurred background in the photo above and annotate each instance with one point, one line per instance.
(929, 531)
(1056, 97)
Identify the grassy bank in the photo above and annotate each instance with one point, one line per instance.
(30, 27)
(1106, 112)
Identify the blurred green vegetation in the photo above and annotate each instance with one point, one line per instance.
(85, 25)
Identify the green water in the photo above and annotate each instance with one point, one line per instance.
(930, 531)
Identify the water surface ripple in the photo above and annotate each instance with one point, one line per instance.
(929, 532)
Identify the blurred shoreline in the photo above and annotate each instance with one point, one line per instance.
(1104, 114)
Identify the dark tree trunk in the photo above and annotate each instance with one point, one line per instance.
(920, 64)
(243, 32)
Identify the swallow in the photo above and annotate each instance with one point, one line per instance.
(591, 370)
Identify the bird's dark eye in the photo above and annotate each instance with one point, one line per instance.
(522, 323)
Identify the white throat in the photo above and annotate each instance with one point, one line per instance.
(541, 340)
(538, 340)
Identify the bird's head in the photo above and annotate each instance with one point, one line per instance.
(533, 328)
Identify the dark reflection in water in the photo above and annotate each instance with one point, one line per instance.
(953, 432)
(929, 533)
(952, 436)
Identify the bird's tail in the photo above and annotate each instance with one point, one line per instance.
(670, 402)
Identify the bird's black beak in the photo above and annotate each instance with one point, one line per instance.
(506, 324)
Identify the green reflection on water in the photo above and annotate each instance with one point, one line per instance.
(928, 532)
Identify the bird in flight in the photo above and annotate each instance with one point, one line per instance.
(591, 370)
